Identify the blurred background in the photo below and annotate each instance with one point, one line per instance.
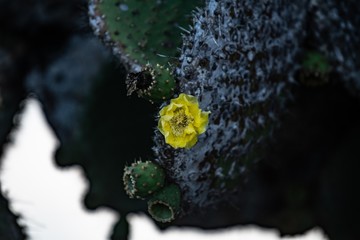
(49, 199)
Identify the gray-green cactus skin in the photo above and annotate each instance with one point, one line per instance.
(242, 84)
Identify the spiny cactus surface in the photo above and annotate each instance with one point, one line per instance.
(233, 63)
(333, 31)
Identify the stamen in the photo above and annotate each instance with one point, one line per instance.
(179, 122)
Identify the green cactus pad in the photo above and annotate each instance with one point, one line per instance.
(153, 83)
(142, 179)
(141, 31)
(165, 204)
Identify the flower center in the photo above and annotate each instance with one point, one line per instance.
(179, 122)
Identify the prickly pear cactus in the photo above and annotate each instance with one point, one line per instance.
(253, 142)
(244, 87)
(241, 61)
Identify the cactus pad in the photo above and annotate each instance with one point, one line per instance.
(141, 31)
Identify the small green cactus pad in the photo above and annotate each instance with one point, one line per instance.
(153, 83)
(142, 179)
(165, 204)
(315, 69)
(141, 31)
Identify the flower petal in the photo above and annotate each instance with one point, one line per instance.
(189, 121)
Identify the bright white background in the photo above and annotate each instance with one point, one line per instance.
(50, 199)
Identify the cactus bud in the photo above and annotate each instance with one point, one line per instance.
(142, 179)
(153, 83)
(315, 69)
(165, 204)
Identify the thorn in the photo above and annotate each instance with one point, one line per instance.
(183, 29)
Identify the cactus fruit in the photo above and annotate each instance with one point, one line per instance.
(152, 83)
(142, 179)
(165, 204)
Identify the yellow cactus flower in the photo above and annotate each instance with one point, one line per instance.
(182, 121)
